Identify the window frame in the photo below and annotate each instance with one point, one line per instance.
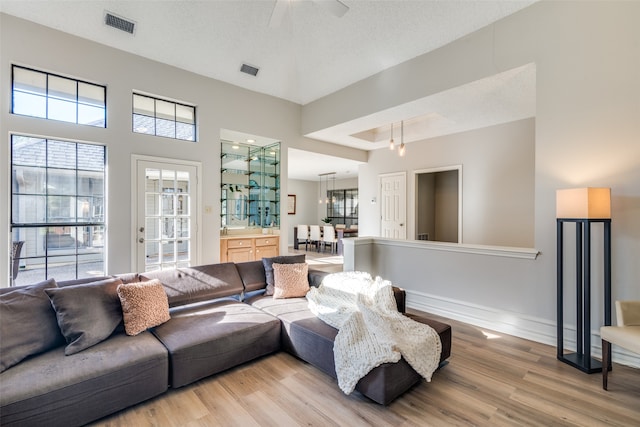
(91, 223)
(49, 97)
(342, 205)
(155, 117)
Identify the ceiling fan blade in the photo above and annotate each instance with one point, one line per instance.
(277, 15)
(335, 7)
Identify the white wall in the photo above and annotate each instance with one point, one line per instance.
(587, 133)
(219, 105)
(498, 171)
(306, 204)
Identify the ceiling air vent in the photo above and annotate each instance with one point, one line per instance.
(119, 23)
(249, 69)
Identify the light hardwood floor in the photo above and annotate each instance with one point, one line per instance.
(492, 379)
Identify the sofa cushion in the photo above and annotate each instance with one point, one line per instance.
(201, 283)
(52, 389)
(283, 259)
(144, 305)
(221, 334)
(252, 274)
(28, 323)
(87, 314)
(290, 280)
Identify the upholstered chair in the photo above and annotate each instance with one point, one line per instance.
(303, 235)
(625, 335)
(315, 235)
(329, 237)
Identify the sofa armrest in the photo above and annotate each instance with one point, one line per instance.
(628, 313)
(316, 276)
(400, 299)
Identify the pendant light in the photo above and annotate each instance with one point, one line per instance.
(391, 143)
(333, 188)
(326, 193)
(401, 150)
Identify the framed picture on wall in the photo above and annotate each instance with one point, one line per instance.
(291, 204)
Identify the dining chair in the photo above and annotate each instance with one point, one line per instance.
(625, 335)
(339, 226)
(329, 236)
(303, 235)
(314, 236)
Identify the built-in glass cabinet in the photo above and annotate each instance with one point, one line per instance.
(250, 185)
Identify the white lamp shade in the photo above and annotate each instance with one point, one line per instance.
(584, 203)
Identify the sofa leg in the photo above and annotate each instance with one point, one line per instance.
(606, 351)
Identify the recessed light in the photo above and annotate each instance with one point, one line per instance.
(235, 147)
(251, 141)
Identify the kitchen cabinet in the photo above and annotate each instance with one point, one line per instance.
(248, 248)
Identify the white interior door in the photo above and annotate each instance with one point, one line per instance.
(166, 200)
(393, 205)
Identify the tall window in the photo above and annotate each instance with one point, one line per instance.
(57, 209)
(343, 206)
(49, 96)
(159, 117)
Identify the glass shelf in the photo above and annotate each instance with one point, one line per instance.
(250, 185)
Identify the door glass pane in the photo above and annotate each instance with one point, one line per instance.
(168, 181)
(152, 207)
(152, 252)
(153, 180)
(152, 229)
(168, 205)
(168, 251)
(182, 228)
(167, 219)
(182, 205)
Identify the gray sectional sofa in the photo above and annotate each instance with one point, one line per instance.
(220, 318)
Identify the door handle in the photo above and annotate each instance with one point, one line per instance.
(141, 240)
(141, 229)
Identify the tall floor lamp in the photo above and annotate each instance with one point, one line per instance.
(583, 206)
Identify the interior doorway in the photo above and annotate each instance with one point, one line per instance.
(439, 204)
(393, 202)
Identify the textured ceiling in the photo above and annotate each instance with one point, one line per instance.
(312, 53)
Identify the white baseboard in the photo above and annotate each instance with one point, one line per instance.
(519, 325)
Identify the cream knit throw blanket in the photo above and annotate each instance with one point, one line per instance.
(371, 331)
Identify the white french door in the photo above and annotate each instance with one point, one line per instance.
(393, 205)
(165, 199)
